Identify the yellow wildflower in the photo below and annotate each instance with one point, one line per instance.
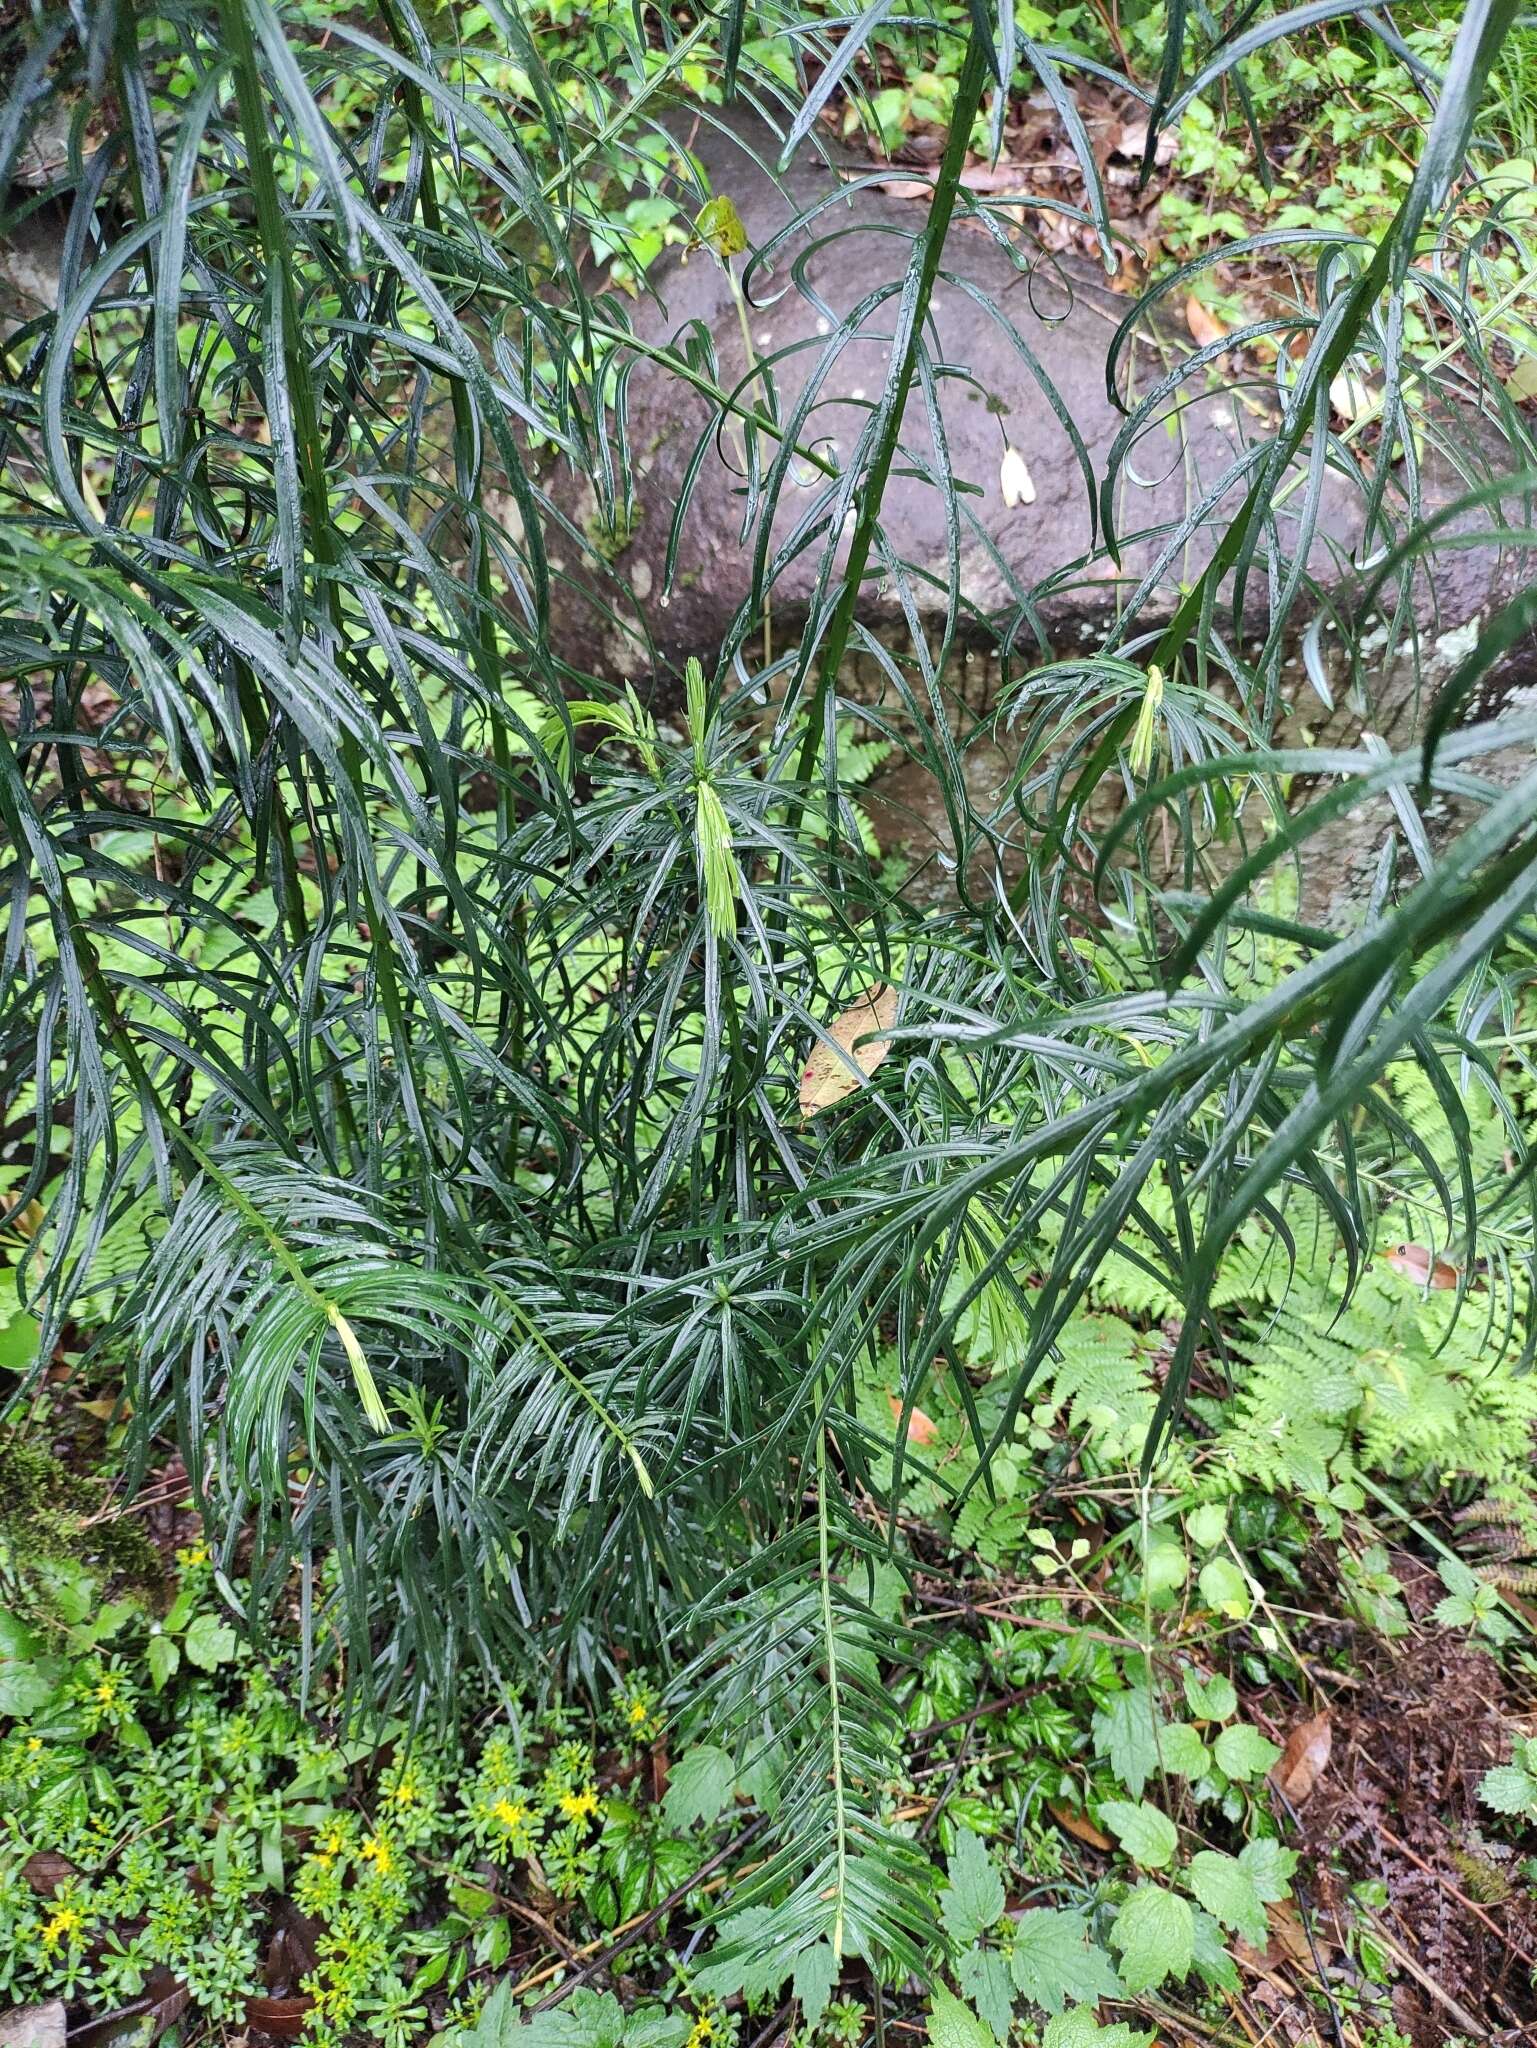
(703, 2032)
(510, 1812)
(377, 1851)
(106, 1692)
(67, 1921)
(637, 1713)
(406, 1792)
(34, 1743)
(579, 1805)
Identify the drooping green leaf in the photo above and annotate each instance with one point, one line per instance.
(983, 1975)
(815, 1974)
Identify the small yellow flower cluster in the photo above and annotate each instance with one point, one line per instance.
(378, 1850)
(329, 1846)
(68, 1920)
(581, 1805)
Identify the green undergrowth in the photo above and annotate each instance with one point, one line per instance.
(1098, 1676)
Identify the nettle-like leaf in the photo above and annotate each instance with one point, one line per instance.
(1148, 1836)
(1124, 1734)
(1509, 1788)
(973, 1900)
(984, 1976)
(1155, 1934)
(1243, 1753)
(1055, 1960)
(699, 1785)
(953, 2024)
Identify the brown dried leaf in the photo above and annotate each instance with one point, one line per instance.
(47, 1871)
(1414, 1261)
(283, 2018)
(921, 1429)
(1079, 1826)
(827, 1077)
(1304, 1759)
(1288, 1936)
(1204, 326)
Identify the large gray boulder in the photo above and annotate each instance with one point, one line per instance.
(1020, 340)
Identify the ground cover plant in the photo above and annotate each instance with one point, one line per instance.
(719, 1393)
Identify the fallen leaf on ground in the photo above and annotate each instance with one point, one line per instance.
(1288, 1936)
(47, 1871)
(921, 1428)
(827, 1076)
(1079, 1826)
(1204, 326)
(283, 2018)
(1304, 1759)
(1416, 1263)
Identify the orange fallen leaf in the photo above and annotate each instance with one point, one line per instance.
(1080, 1826)
(921, 1428)
(1416, 1263)
(828, 1076)
(1204, 325)
(1304, 1759)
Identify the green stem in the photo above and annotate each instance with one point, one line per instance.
(913, 313)
(834, 1717)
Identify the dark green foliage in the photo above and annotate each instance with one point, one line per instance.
(407, 1029)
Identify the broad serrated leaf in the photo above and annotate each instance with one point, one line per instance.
(1123, 1733)
(813, 1978)
(1148, 1836)
(1181, 1750)
(1055, 1960)
(1210, 1699)
(983, 1974)
(953, 2024)
(1209, 1954)
(974, 1898)
(208, 1642)
(1229, 1894)
(1155, 1933)
(1270, 1864)
(1508, 1789)
(699, 1786)
(1243, 1753)
(1078, 2028)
